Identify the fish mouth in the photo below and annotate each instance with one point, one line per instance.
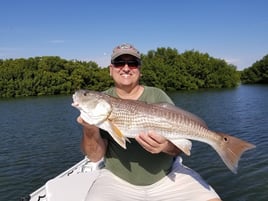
(75, 104)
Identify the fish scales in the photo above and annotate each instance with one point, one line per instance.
(132, 116)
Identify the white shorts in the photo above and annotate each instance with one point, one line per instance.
(181, 184)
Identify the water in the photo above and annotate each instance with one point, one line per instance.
(39, 138)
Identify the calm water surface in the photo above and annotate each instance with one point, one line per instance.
(39, 138)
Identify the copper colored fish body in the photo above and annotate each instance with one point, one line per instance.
(125, 119)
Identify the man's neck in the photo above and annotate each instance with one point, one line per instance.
(130, 93)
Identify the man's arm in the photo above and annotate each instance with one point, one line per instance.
(92, 144)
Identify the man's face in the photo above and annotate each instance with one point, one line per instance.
(125, 71)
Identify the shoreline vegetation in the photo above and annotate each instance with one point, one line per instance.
(165, 68)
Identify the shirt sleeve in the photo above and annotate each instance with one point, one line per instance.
(155, 95)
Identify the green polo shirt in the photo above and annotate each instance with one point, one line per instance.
(134, 164)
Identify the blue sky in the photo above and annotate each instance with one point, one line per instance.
(233, 30)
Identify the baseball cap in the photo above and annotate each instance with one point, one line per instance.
(125, 48)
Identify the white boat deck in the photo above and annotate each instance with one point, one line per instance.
(57, 189)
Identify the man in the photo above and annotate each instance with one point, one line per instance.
(149, 168)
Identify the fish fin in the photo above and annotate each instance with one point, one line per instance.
(118, 136)
(230, 150)
(183, 112)
(184, 145)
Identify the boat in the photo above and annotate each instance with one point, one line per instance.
(72, 184)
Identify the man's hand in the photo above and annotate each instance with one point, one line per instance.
(154, 143)
(92, 144)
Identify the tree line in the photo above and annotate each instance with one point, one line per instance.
(165, 68)
(49, 75)
(257, 73)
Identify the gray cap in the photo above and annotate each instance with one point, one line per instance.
(125, 49)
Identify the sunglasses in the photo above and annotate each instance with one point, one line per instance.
(131, 63)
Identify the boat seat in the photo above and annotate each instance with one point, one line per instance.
(70, 188)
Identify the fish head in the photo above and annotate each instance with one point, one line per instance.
(94, 107)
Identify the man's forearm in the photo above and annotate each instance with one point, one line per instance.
(92, 145)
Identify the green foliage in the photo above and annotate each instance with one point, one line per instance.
(164, 68)
(49, 76)
(167, 69)
(257, 73)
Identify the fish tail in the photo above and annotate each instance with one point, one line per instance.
(230, 150)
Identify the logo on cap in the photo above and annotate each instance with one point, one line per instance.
(125, 49)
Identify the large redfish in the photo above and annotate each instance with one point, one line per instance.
(126, 118)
